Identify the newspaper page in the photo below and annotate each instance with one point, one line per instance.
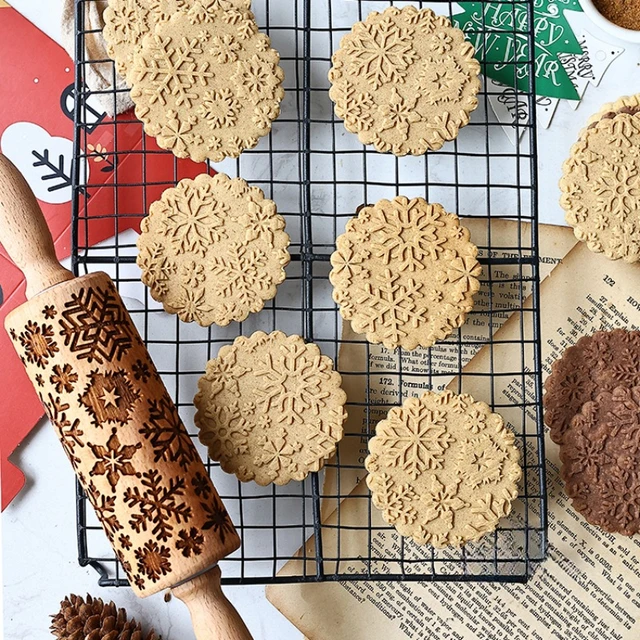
(445, 359)
(589, 586)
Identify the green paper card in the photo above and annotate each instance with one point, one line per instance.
(498, 31)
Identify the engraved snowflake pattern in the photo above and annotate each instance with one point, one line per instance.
(416, 439)
(427, 449)
(399, 114)
(153, 560)
(442, 502)
(404, 80)
(156, 267)
(105, 508)
(158, 506)
(481, 460)
(190, 542)
(95, 326)
(109, 397)
(256, 79)
(600, 197)
(193, 218)
(404, 234)
(389, 305)
(167, 435)
(389, 269)
(292, 383)
(225, 48)
(63, 378)
(70, 434)
(396, 501)
(270, 408)
(226, 244)
(220, 108)
(173, 68)
(618, 188)
(382, 53)
(38, 343)
(442, 80)
(114, 459)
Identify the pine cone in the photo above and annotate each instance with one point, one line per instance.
(91, 619)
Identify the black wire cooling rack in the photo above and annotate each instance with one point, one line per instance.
(319, 174)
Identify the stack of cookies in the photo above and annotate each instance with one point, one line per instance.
(592, 408)
(206, 83)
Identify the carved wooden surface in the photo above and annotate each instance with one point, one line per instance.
(122, 433)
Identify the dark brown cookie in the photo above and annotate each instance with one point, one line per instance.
(596, 363)
(599, 461)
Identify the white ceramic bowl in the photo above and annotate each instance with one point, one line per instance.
(628, 35)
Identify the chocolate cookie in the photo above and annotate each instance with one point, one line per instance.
(596, 363)
(599, 456)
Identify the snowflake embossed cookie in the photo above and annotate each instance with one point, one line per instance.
(270, 408)
(443, 469)
(405, 273)
(213, 250)
(601, 182)
(405, 80)
(207, 83)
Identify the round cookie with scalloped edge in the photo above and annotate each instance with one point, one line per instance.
(270, 408)
(443, 469)
(207, 84)
(405, 80)
(405, 273)
(601, 182)
(213, 250)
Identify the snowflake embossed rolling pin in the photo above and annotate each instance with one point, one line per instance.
(117, 423)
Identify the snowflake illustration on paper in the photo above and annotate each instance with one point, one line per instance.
(158, 506)
(95, 325)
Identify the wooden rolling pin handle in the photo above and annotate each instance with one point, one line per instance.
(25, 234)
(212, 615)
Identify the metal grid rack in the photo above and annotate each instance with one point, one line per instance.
(319, 174)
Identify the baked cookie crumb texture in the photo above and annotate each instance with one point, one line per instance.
(443, 469)
(207, 83)
(270, 408)
(405, 273)
(405, 80)
(213, 250)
